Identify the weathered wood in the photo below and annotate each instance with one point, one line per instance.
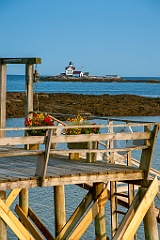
(136, 213)
(90, 156)
(12, 196)
(57, 131)
(40, 225)
(32, 182)
(15, 225)
(141, 211)
(64, 175)
(20, 60)
(72, 138)
(2, 98)
(60, 212)
(100, 219)
(24, 152)
(127, 219)
(84, 224)
(113, 188)
(78, 213)
(90, 215)
(27, 223)
(150, 222)
(146, 157)
(59, 171)
(98, 137)
(130, 186)
(3, 229)
(114, 207)
(23, 200)
(42, 163)
(29, 89)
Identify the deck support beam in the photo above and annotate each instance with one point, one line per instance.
(150, 222)
(3, 229)
(59, 206)
(100, 219)
(23, 200)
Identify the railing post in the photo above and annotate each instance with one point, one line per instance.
(91, 157)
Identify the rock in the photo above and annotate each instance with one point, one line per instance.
(102, 105)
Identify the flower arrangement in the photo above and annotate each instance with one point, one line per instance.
(38, 120)
(79, 120)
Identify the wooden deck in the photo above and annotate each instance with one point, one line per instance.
(19, 172)
(23, 167)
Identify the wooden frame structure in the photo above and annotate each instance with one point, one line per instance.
(29, 68)
(52, 167)
(94, 175)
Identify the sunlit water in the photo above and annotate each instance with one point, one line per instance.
(16, 83)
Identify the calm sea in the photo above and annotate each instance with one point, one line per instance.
(41, 200)
(16, 83)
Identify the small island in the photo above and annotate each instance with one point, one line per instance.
(71, 74)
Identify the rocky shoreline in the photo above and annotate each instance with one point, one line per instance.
(102, 105)
(92, 79)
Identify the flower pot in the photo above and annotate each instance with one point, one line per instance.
(90, 157)
(36, 132)
(33, 146)
(78, 145)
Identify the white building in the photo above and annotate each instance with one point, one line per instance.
(71, 71)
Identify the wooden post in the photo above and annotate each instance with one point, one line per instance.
(150, 221)
(23, 200)
(2, 98)
(23, 196)
(3, 229)
(91, 157)
(130, 186)
(29, 89)
(114, 207)
(113, 190)
(59, 208)
(146, 156)
(100, 219)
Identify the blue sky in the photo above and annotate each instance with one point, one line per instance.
(102, 36)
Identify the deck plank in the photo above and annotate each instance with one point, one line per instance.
(19, 171)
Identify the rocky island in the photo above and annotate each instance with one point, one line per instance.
(102, 105)
(114, 78)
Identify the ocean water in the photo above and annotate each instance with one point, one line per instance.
(41, 200)
(16, 83)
